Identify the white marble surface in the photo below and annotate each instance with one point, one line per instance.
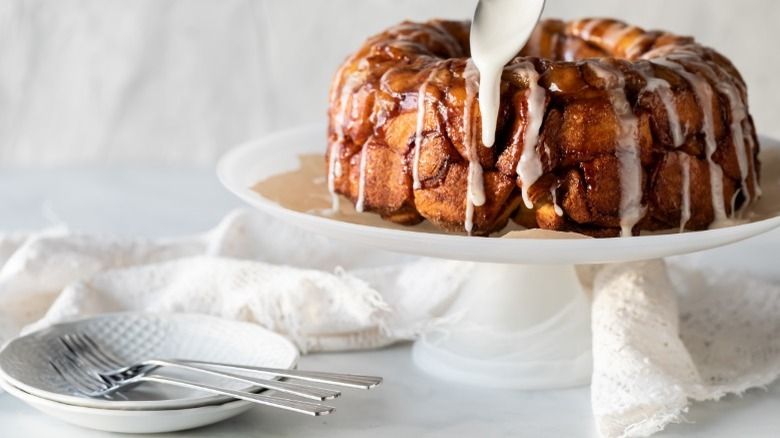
(181, 81)
(147, 201)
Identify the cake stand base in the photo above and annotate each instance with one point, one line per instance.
(513, 326)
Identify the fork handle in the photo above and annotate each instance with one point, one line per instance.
(284, 387)
(277, 402)
(348, 380)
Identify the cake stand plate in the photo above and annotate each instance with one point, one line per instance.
(523, 318)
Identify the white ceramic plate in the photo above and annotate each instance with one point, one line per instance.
(24, 362)
(243, 167)
(117, 420)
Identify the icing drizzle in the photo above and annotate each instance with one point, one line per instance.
(685, 191)
(530, 168)
(344, 91)
(475, 192)
(664, 91)
(704, 95)
(421, 98)
(362, 181)
(631, 208)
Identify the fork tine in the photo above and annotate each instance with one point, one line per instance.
(77, 370)
(75, 350)
(115, 369)
(87, 350)
(80, 381)
(83, 362)
(104, 354)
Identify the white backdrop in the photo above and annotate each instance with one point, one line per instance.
(181, 81)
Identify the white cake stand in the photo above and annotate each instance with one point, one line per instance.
(523, 318)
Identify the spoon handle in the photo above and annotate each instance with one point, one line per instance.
(284, 387)
(277, 402)
(348, 380)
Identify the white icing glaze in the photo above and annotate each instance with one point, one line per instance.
(752, 146)
(747, 130)
(421, 98)
(615, 33)
(346, 86)
(344, 91)
(556, 207)
(667, 50)
(738, 115)
(735, 214)
(426, 31)
(475, 190)
(704, 95)
(736, 94)
(555, 40)
(411, 46)
(635, 48)
(411, 31)
(664, 91)
(685, 191)
(499, 30)
(631, 208)
(453, 46)
(530, 168)
(335, 147)
(587, 29)
(362, 181)
(489, 92)
(738, 109)
(335, 151)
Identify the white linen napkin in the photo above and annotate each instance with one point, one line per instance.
(662, 336)
(251, 267)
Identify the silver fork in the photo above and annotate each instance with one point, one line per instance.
(105, 361)
(100, 362)
(88, 383)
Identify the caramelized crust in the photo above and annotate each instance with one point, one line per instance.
(603, 129)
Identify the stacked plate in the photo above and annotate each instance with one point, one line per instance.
(25, 371)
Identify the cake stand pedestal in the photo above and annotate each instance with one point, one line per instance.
(522, 320)
(517, 326)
